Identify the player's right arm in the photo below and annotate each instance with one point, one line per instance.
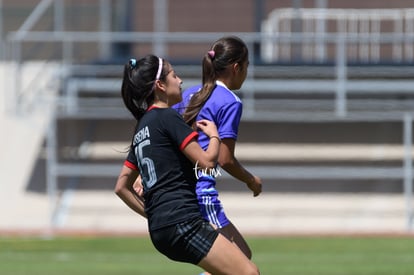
(125, 190)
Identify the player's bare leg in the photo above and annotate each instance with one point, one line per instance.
(231, 233)
(225, 258)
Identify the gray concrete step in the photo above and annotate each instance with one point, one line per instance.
(270, 213)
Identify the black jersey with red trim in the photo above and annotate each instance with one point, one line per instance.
(167, 175)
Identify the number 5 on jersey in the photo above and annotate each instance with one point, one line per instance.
(149, 177)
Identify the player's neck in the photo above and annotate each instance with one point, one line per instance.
(160, 104)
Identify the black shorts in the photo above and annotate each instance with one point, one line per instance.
(189, 241)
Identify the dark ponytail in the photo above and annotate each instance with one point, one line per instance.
(138, 84)
(224, 52)
(197, 100)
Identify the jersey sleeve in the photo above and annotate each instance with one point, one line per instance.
(131, 160)
(178, 130)
(228, 120)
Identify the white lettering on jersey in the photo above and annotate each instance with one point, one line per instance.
(141, 135)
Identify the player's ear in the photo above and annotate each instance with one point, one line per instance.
(160, 85)
(237, 67)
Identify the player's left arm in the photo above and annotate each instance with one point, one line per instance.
(228, 122)
(231, 165)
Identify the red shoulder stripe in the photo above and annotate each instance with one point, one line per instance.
(188, 139)
(131, 165)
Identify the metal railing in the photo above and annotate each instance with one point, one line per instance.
(366, 25)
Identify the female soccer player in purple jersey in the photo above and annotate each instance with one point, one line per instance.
(224, 70)
(163, 152)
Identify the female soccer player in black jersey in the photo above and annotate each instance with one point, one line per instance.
(164, 152)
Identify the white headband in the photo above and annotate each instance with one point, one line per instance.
(159, 68)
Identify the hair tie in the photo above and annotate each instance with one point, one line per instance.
(133, 63)
(211, 54)
(157, 77)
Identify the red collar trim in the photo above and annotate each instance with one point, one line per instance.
(152, 107)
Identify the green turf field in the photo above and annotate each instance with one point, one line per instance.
(277, 255)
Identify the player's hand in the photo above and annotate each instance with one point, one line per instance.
(138, 188)
(208, 127)
(255, 186)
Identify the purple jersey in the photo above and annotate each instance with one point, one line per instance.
(225, 109)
